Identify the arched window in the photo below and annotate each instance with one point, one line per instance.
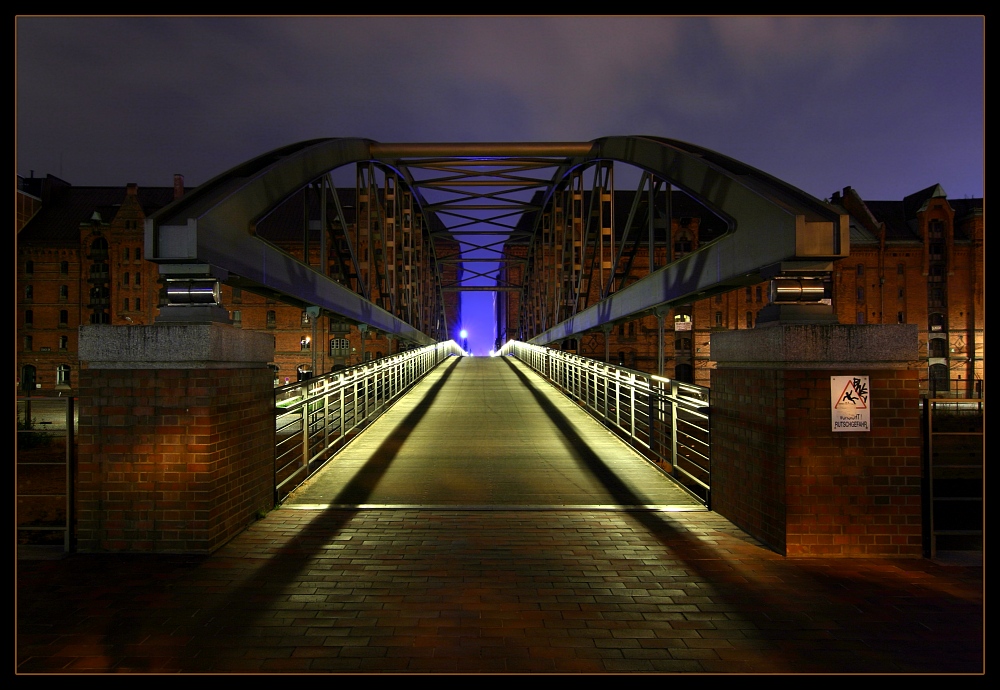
(938, 380)
(99, 249)
(28, 377)
(684, 373)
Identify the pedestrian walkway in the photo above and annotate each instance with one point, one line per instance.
(487, 564)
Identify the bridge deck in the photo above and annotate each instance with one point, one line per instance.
(319, 586)
(489, 432)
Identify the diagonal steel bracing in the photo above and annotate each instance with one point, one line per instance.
(537, 220)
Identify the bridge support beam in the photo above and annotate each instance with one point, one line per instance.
(781, 473)
(176, 436)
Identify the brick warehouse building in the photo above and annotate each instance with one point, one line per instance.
(917, 261)
(79, 261)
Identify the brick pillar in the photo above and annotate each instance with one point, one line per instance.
(782, 474)
(176, 436)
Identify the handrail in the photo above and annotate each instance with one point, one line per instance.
(316, 417)
(665, 420)
(45, 468)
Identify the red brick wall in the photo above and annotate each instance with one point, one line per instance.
(781, 473)
(172, 460)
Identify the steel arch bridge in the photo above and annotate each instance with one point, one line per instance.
(535, 219)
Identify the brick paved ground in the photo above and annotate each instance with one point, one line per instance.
(532, 583)
(496, 591)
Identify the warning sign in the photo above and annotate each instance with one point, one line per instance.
(850, 403)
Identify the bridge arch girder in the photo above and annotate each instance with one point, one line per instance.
(773, 228)
(772, 225)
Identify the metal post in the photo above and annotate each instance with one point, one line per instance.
(660, 318)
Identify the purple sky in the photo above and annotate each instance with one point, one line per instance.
(886, 105)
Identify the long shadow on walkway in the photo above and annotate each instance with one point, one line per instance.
(234, 594)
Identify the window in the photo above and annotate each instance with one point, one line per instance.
(138, 304)
(935, 297)
(64, 268)
(749, 294)
(125, 254)
(28, 341)
(937, 347)
(760, 293)
(99, 249)
(939, 382)
(29, 291)
(718, 319)
(271, 319)
(237, 295)
(126, 304)
(340, 347)
(861, 317)
(305, 318)
(63, 342)
(305, 344)
(63, 317)
(682, 246)
(29, 318)
(138, 279)
(861, 293)
(28, 377)
(29, 267)
(749, 318)
(237, 317)
(901, 269)
(63, 293)
(62, 375)
(125, 279)
(861, 270)
(900, 317)
(901, 294)
(631, 329)
(718, 298)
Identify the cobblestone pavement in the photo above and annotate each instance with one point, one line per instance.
(528, 541)
(463, 591)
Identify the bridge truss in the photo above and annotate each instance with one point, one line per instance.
(388, 230)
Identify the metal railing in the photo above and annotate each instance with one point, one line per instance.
(46, 429)
(958, 389)
(666, 420)
(954, 469)
(315, 418)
